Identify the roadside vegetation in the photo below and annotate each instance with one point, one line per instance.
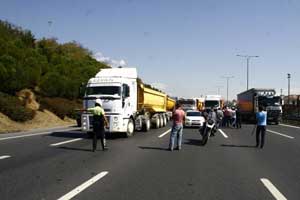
(53, 72)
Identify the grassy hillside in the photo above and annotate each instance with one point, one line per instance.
(51, 70)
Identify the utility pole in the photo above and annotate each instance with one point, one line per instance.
(227, 79)
(289, 77)
(248, 60)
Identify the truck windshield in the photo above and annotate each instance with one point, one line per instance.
(193, 114)
(187, 102)
(211, 104)
(269, 101)
(104, 90)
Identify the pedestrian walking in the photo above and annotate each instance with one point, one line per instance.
(227, 116)
(220, 116)
(233, 117)
(261, 118)
(177, 128)
(238, 118)
(99, 122)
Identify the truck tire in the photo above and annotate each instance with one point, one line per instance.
(161, 121)
(146, 125)
(157, 122)
(130, 128)
(165, 120)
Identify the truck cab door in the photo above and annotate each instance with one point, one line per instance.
(126, 100)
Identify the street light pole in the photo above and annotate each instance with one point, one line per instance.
(248, 60)
(289, 77)
(227, 79)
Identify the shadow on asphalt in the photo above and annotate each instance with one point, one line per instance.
(193, 142)
(74, 134)
(154, 148)
(232, 145)
(69, 134)
(75, 149)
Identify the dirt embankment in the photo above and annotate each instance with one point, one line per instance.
(42, 119)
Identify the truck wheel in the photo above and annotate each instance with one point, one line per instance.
(146, 125)
(130, 128)
(157, 122)
(165, 120)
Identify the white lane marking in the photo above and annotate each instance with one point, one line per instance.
(65, 142)
(21, 136)
(34, 134)
(290, 126)
(165, 133)
(225, 136)
(284, 135)
(5, 156)
(83, 186)
(274, 191)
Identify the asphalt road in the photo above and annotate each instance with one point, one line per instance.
(40, 166)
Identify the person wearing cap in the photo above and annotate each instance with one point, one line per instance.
(99, 122)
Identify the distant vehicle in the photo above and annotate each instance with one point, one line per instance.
(193, 119)
(188, 104)
(250, 100)
(129, 104)
(213, 101)
(200, 103)
(192, 104)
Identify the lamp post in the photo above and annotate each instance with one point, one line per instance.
(227, 79)
(248, 60)
(289, 77)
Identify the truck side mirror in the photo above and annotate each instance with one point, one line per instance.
(123, 102)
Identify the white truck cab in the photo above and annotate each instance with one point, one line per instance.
(213, 101)
(117, 88)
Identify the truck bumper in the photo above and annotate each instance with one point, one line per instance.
(116, 123)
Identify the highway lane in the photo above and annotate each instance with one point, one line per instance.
(141, 167)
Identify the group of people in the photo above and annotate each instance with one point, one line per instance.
(230, 117)
(222, 118)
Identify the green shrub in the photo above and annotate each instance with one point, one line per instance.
(61, 107)
(14, 109)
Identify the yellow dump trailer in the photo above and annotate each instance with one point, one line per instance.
(170, 104)
(155, 107)
(151, 100)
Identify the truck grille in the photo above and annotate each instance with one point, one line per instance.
(91, 119)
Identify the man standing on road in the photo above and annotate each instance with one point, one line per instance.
(220, 116)
(178, 119)
(261, 118)
(238, 118)
(99, 121)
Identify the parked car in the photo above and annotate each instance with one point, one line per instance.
(193, 118)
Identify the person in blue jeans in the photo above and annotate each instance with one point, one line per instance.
(178, 119)
(261, 118)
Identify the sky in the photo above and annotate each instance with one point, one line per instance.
(182, 47)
